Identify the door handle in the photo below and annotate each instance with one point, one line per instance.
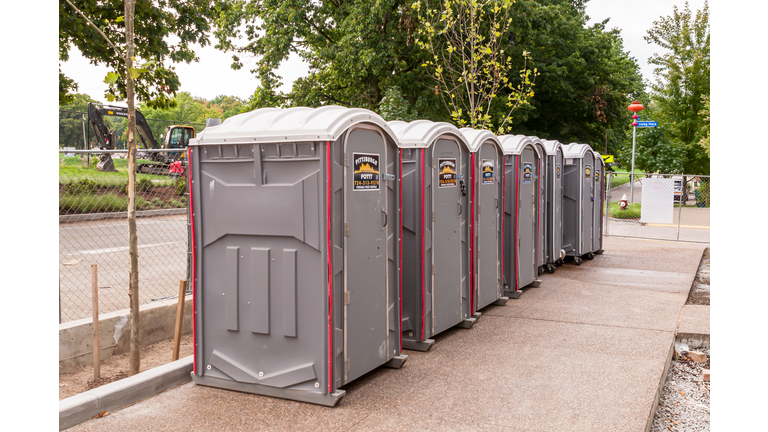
(461, 208)
(386, 218)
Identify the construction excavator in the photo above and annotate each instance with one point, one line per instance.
(176, 137)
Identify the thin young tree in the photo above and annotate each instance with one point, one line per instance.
(466, 41)
(130, 74)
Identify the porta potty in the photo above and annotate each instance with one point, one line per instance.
(486, 196)
(296, 261)
(435, 166)
(577, 201)
(521, 237)
(553, 249)
(541, 203)
(599, 202)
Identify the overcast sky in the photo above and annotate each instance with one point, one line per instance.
(212, 75)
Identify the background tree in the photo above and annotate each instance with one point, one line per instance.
(682, 71)
(71, 123)
(356, 50)
(186, 22)
(586, 80)
(464, 40)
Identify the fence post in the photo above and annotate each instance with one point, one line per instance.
(95, 300)
(683, 191)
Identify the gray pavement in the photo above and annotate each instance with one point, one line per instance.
(584, 352)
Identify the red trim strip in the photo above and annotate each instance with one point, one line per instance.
(194, 275)
(503, 212)
(329, 253)
(422, 273)
(472, 240)
(538, 218)
(517, 222)
(400, 240)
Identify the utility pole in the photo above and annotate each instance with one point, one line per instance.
(635, 107)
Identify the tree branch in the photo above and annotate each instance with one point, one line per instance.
(117, 51)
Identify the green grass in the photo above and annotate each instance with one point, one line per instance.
(632, 211)
(618, 180)
(73, 170)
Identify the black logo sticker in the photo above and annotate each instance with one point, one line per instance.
(487, 167)
(527, 172)
(447, 173)
(366, 171)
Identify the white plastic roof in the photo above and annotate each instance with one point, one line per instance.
(423, 133)
(476, 138)
(514, 144)
(297, 124)
(551, 146)
(574, 150)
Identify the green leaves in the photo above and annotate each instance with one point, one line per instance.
(111, 78)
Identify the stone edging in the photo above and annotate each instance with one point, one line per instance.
(118, 394)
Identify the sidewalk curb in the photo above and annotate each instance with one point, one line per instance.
(124, 392)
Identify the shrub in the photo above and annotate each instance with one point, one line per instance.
(83, 186)
(180, 185)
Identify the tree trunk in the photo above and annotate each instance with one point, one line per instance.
(135, 358)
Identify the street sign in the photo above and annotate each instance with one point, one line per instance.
(647, 124)
(607, 158)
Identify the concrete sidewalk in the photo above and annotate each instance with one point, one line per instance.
(586, 351)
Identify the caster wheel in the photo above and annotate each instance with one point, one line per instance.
(590, 256)
(577, 260)
(541, 271)
(559, 262)
(550, 268)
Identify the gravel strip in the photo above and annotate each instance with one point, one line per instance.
(684, 402)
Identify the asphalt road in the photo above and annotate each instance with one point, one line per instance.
(162, 262)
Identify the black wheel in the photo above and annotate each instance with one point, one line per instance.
(559, 262)
(590, 256)
(550, 268)
(577, 260)
(541, 270)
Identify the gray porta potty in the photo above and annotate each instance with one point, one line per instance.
(295, 266)
(487, 207)
(578, 192)
(436, 166)
(553, 250)
(541, 202)
(598, 207)
(521, 238)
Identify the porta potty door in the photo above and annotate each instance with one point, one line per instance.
(541, 203)
(572, 201)
(365, 253)
(488, 202)
(597, 227)
(527, 211)
(447, 235)
(588, 199)
(557, 206)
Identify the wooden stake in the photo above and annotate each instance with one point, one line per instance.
(179, 319)
(95, 299)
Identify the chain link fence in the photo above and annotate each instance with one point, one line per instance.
(93, 229)
(658, 206)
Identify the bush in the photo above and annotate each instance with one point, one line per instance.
(180, 185)
(82, 186)
(632, 211)
(71, 204)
